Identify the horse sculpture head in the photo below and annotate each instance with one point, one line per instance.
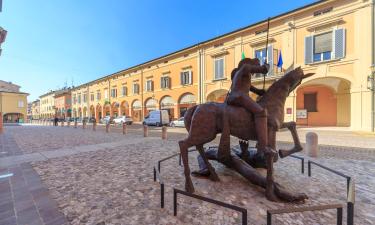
(288, 83)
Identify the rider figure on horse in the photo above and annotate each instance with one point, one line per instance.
(239, 96)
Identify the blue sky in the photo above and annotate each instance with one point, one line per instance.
(50, 43)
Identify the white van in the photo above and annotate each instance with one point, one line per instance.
(157, 118)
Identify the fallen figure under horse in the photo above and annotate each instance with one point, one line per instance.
(205, 121)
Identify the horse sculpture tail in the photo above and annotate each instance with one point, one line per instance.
(188, 117)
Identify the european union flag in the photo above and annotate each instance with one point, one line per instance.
(280, 61)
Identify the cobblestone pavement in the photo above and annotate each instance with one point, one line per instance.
(114, 184)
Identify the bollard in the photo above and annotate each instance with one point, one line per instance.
(94, 125)
(75, 123)
(62, 123)
(312, 144)
(145, 131)
(164, 132)
(124, 129)
(83, 124)
(107, 127)
(68, 123)
(1, 123)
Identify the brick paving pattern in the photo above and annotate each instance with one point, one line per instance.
(24, 199)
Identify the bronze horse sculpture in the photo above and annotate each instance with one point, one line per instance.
(205, 121)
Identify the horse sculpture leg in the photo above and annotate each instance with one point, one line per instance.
(213, 176)
(189, 187)
(297, 145)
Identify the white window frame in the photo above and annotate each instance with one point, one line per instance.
(114, 92)
(148, 86)
(189, 77)
(106, 93)
(217, 59)
(135, 88)
(321, 54)
(124, 91)
(163, 81)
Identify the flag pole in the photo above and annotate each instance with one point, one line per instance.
(268, 31)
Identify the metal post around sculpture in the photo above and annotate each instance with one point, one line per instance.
(164, 132)
(1, 123)
(75, 123)
(145, 131)
(124, 129)
(94, 125)
(84, 124)
(107, 127)
(68, 123)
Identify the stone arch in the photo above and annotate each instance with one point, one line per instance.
(99, 112)
(92, 111)
(115, 109)
(169, 104)
(136, 108)
(84, 112)
(327, 100)
(185, 101)
(79, 112)
(13, 117)
(107, 109)
(124, 108)
(150, 105)
(217, 96)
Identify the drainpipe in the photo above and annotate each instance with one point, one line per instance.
(372, 66)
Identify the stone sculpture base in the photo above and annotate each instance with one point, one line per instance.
(247, 168)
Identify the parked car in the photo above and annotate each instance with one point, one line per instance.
(123, 119)
(157, 118)
(107, 119)
(178, 123)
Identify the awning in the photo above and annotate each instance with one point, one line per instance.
(188, 99)
(151, 104)
(137, 104)
(167, 102)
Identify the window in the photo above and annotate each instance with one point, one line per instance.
(74, 99)
(98, 95)
(79, 99)
(322, 47)
(324, 11)
(135, 88)
(185, 77)
(106, 93)
(261, 55)
(165, 82)
(20, 104)
(326, 46)
(113, 92)
(124, 91)
(84, 97)
(92, 97)
(310, 102)
(149, 85)
(219, 68)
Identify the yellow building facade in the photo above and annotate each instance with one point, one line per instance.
(333, 39)
(13, 103)
(47, 105)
